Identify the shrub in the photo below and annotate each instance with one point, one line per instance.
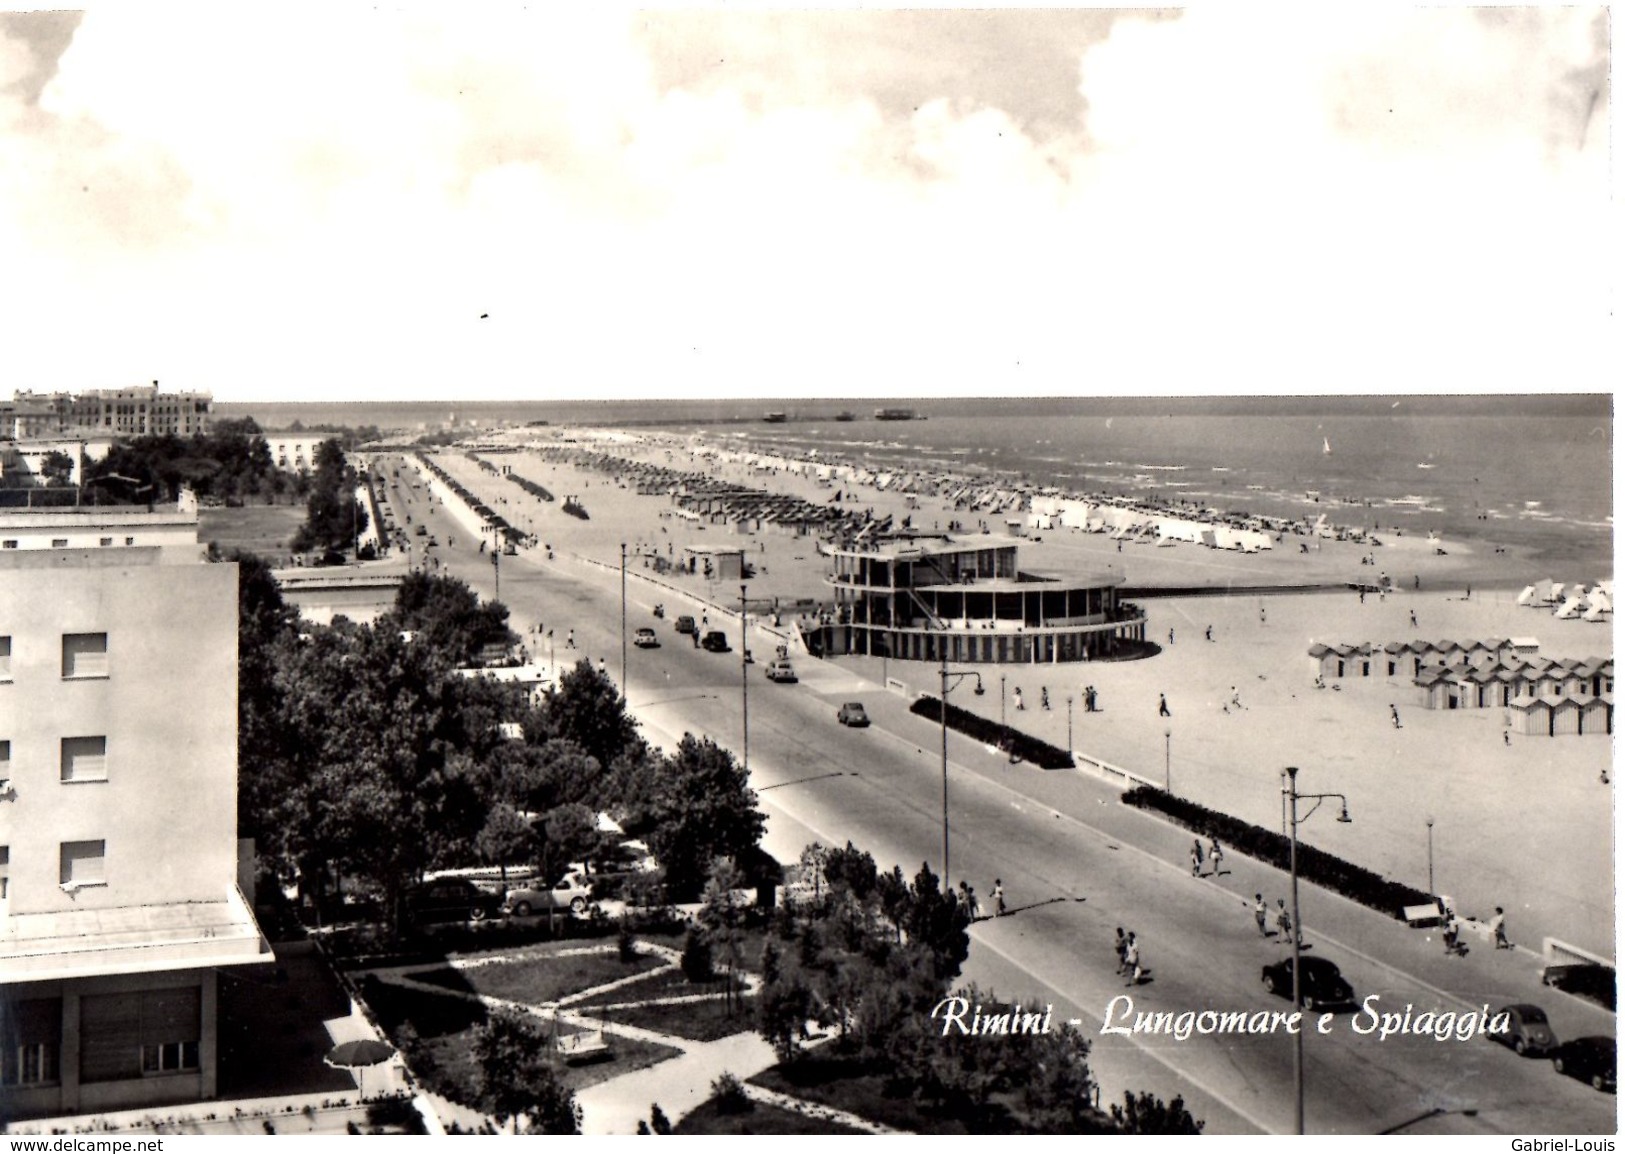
(696, 961)
(1021, 745)
(1354, 882)
(625, 943)
(728, 1092)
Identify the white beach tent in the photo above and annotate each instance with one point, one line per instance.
(1527, 597)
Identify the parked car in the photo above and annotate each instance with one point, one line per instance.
(451, 900)
(852, 714)
(1527, 1032)
(646, 639)
(1321, 983)
(715, 641)
(780, 671)
(685, 624)
(571, 892)
(1590, 1059)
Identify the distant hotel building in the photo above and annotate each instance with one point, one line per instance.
(964, 599)
(137, 411)
(119, 861)
(295, 452)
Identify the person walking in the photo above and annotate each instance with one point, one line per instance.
(1131, 961)
(1210, 633)
(570, 641)
(1393, 710)
(1170, 637)
(1261, 912)
(1283, 920)
(1043, 696)
(1215, 854)
(1196, 858)
(1413, 619)
(998, 898)
(1122, 950)
(1498, 927)
(1162, 706)
(1017, 695)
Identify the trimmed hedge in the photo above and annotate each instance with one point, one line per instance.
(1020, 745)
(1354, 882)
(575, 508)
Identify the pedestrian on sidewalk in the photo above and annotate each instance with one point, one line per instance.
(1170, 637)
(1017, 696)
(1162, 705)
(1283, 920)
(1394, 712)
(1413, 619)
(1210, 633)
(1215, 854)
(1498, 927)
(1261, 911)
(1043, 696)
(1196, 858)
(1122, 950)
(998, 898)
(570, 640)
(1131, 961)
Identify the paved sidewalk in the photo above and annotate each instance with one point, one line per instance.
(677, 1085)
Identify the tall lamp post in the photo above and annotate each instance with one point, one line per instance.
(1293, 798)
(1431, 891)
(744, 681)
(1001, 701)
(943, 715)
(623, 618)
(1167, 760)
(1069, 723)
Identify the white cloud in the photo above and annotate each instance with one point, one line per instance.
(319, 207)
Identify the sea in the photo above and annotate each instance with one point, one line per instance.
(1531, 472)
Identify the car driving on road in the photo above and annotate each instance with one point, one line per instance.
(646, 639)
(1321, 984)
(685, 624)
(780, 671)
(715, 641)
(1527, 1032)
(852, 714)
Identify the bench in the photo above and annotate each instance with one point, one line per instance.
(579, 1046)
(1427, 914)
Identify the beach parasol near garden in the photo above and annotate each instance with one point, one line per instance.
(358, 1054)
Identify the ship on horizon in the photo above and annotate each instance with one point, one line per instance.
(775, 418)
(896, 415)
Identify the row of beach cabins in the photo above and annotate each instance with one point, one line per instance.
(1543, 697)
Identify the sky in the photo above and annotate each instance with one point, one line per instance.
(386, 202)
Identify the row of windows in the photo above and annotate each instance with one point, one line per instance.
(84, 655)
(82, 759)
(120, 1036)
(62, 542)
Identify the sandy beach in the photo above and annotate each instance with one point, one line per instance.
(1526, 825)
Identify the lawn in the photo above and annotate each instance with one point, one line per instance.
(696, 1021)
(760, 1119)
(538, 981)
(442, 1059)
(662, 984)
(261, 529)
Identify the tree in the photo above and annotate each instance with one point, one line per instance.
(56, 469)
(505, 838)
(518, 1080)
(448, 618)
(701, 809)
(1145, 1113)
(586, 708)
(334, 518)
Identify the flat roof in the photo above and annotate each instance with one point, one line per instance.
(930, 545)
(131, 940)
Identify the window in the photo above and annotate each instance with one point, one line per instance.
(5, 763)
(11, 542)
(129, 1035)
(30, 1041)
(84, 863)
(84, 655)
(129, 540)
(84, 759)
(5, 875)
(5, 659)
(106, 541)
(59, 542)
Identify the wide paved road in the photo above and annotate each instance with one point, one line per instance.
(1075, 864)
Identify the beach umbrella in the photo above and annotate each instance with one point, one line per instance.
(358, 1054)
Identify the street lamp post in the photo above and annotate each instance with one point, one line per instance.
(623, 618)
(744, 681)
(1069, 723)
(1001, 700)
(1431, 890)
(1293, 797)
(942, 713)
(1167, 760)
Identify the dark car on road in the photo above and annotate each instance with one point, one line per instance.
(1321, 983)
(685, 624)
(852, 714)
(1527, 1032)
(1591, 1059)
(715, 641)
(451, 900)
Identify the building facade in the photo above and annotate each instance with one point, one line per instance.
(119, 866)
(137, 411)
(930, 598)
